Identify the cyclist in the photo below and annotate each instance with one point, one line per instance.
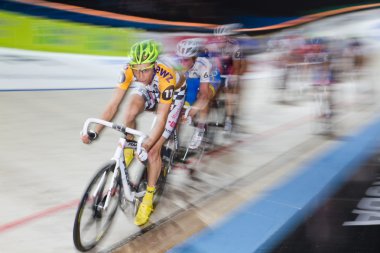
(156, 85)
(202, 83)
(355, 56)
(318, 59)
(226, 54)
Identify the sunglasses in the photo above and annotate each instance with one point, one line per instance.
(142, 69)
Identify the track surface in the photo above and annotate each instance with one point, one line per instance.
(44, 166)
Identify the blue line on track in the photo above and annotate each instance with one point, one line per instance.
(259, 225)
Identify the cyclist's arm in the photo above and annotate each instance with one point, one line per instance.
(204, 94)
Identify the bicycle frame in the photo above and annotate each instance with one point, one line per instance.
(118, 157)
(213, 114)
(106, 191)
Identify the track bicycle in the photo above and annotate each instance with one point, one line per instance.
(119, 183)
(215, 124)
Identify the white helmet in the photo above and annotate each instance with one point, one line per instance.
(226, 30)
(189, 47)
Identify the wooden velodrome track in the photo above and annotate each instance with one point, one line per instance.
(44, 166)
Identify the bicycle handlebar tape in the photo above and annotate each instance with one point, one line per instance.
(92, 135)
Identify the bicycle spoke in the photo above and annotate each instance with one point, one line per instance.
(93, 217)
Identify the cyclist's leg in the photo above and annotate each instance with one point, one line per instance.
(231, 100)
(155, 160)
(203, 114)
(154, 170)
(136, 105)
(212, 90)
(205, 94)
(138, 102)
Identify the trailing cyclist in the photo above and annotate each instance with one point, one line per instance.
(226, 54)
(318, 59)
(155, 86)
(202, 83)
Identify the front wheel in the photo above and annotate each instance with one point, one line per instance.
(97, 208)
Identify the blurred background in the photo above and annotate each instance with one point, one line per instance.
(308, 101)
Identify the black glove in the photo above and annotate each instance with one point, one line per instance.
(92, 135)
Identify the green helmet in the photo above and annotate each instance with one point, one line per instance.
(145, 51)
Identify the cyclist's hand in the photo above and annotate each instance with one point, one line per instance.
(232, 80)
(89, 137)
(142, 155)
(85, 139)
(186, 117)
(188, 120)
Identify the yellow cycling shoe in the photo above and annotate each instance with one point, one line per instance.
(143, 213)
(146, 206)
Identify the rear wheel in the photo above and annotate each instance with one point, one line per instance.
(93, 218)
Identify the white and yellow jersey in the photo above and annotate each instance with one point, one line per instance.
(165, 81)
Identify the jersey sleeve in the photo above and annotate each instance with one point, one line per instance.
(166, 83)
(205, 71)
(126, 78)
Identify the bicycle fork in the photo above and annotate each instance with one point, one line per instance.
(118, 157)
